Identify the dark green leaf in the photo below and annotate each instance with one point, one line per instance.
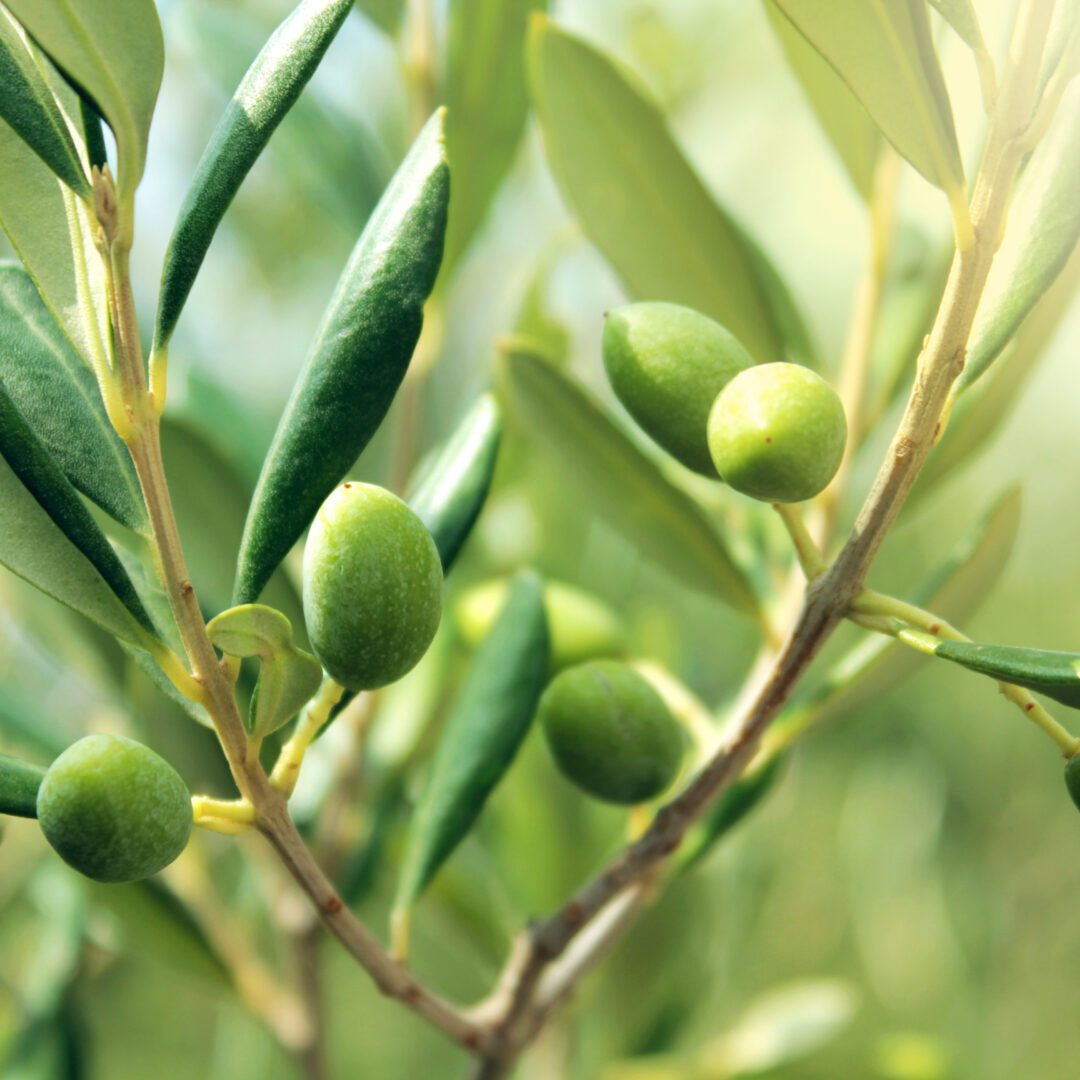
(451, 493)
(59, 398)
(620, 481)
(268, 90)
(486, 726)
(843, 119)
(884, 52)
(356, 363)
(19, 783)
(288, 677)
(639, 200)
(729, 810)
(112, 50)
(28, 105)
(1042, 230)
(487, 102)
(1055, 674)
(51, 539)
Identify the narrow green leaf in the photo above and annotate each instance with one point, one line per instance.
(1055, 674)
(955, 589)
(620, 481)
(733, 806)
(451, 493)
(51, 539)
(385, 14)
(50, 230)
(487, 103)
(639, 200)
(961, 16)
(883, 50)
(113, 51)
(267, 92)
(29, 107)
(489, 720)
(535, 323)
(1042, 230)
(19, 783)
(59, 398)
(981, 412)
(356, 363)
(847, 124)
(288, 677)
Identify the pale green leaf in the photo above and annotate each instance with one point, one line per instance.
(639, 200)
(883, 50)
(385, 14)
(50, 230)
(59, 398)
(288, 677)
(619, 481)
(843, 119)
(487, 102)
(111, 49)
(962, 17)
(30, 107)
(1042, 229)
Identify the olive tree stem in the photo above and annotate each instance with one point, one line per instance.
(828, 596)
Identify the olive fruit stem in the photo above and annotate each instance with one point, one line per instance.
(829, 595)
(897, 618)
(315, 715)
(684, 704)
(806, 550)
(209, 813)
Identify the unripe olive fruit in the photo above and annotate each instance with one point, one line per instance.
(666, 364)
(372, 587)
(610, 732)
(113, 809)
(581, 626)
(777, 433)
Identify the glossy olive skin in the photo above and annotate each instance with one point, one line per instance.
(610, 732)
(113, 809)
(777, 433)
(666, 364)
(372, 587)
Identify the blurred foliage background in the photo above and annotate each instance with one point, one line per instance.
(901, 908)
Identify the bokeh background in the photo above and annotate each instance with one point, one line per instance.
(903, 906)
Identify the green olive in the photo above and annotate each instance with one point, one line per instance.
(581, 626)
(372, 587)
(113, 809)
(610, 732)
(777, 433)
(666, 364)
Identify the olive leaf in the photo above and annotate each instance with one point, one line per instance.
(487, 103)
(288, 677)
(113, 51)
(59, 399)
(268, 90)
(954, 589)
(19, 783)
(449, 496)
(50, 230)
(642, 204)
(843, 119)
(1055, 674)
(1042, 230)
(29, 107)
(621, 481)
(885, 53)
(963, 18)
(356, 362)
(51, 540)
(489, 720)
(535, 323)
